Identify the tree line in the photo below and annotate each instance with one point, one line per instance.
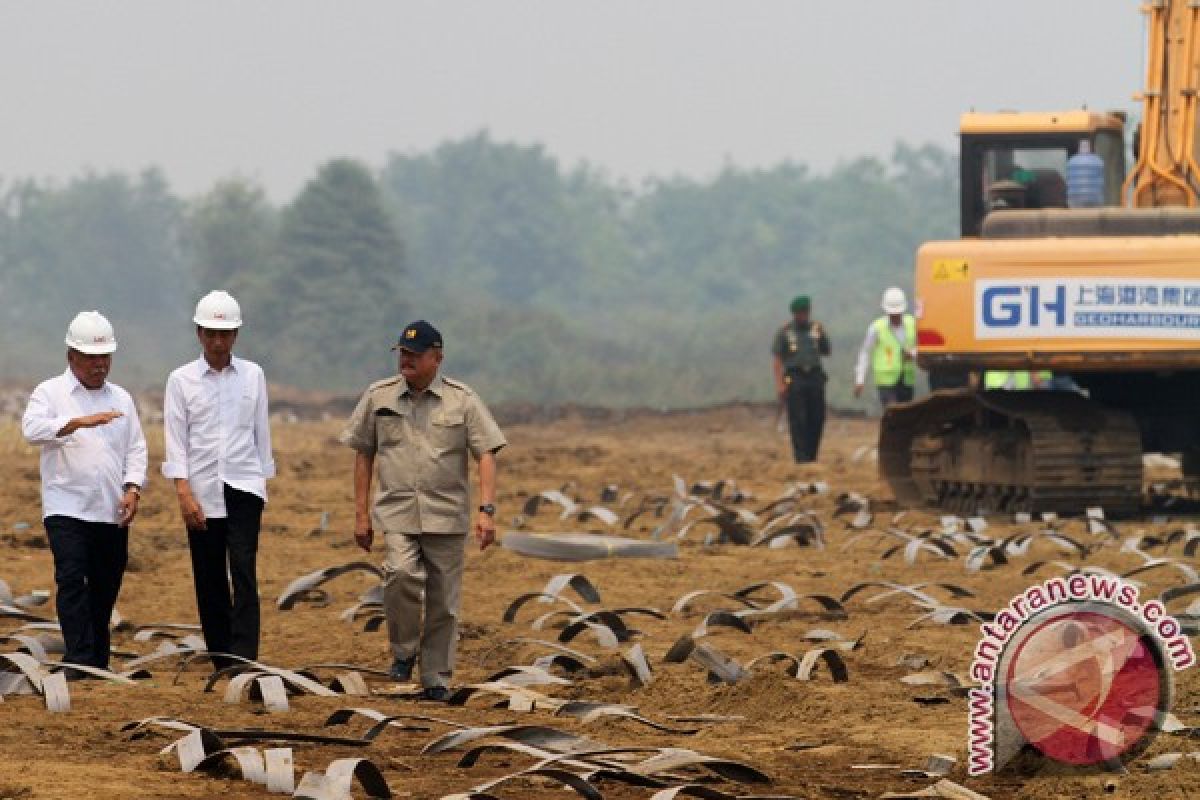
(550, 284)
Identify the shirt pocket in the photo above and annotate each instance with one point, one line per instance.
(449, 431)
(245, 414)
(390, 427)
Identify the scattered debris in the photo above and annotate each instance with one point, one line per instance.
(306, 588)
(339, 777)
(944, 788)
(584, 547)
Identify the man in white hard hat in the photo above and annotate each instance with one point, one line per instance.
(218, 453)
(93, 466)
(890, 348)
(420, 427)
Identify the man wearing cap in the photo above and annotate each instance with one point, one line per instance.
(420, 427)
(93, 466)
(800, 379)
(218, 453)
(890, 347)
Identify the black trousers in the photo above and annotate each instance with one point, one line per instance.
(890, 395)
(227, 552)
(806, 413)
(89, 563)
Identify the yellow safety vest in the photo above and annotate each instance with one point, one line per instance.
(1019, 380)
(888, 360)
(1007, 379)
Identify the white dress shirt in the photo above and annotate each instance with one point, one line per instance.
(84, 473)
(216, 431)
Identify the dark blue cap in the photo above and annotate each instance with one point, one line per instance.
(418, 337)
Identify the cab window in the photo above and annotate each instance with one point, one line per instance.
(1024, 177)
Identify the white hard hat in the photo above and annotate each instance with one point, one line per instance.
(91, 333)
(894, 301)
(218, 311)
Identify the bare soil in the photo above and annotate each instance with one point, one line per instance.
(806, 735)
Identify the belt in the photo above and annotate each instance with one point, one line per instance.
(803, 370)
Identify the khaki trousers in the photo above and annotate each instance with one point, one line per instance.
(429, 564)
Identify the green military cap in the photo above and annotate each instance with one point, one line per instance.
(800, 302)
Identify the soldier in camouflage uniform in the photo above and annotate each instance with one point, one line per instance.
(800, 379)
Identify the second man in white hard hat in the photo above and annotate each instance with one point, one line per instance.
(218, 452)
(890, 350)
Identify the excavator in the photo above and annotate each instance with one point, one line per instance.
(1105, 298)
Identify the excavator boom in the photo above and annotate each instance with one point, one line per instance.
(1166, 172)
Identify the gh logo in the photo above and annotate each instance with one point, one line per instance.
(1018, 306)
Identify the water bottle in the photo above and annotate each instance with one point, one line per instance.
(1085, 178)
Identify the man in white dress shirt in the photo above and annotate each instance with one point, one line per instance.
(93, 466)
(218, 452)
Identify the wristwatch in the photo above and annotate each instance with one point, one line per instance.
(133, 487)
(488, 508)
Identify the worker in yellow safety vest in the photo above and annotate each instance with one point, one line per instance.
(890, 347)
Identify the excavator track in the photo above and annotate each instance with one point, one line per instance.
(969, 451)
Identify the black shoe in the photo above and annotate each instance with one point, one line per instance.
(436, 694)
(401, 670)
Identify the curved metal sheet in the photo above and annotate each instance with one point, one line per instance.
(306, 586)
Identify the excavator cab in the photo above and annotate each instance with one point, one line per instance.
(1013, 160)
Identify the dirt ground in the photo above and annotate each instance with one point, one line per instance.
(806, 735)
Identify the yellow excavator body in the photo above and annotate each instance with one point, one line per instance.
(1063, 304)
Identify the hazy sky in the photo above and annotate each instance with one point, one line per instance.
(271, 88)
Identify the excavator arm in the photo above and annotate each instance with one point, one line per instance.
(1166, 172)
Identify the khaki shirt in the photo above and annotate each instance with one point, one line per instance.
(421, 444)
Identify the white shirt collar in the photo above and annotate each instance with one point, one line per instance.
(74, 384)
(202, 367)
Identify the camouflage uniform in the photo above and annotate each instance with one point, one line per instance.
(800, 351)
